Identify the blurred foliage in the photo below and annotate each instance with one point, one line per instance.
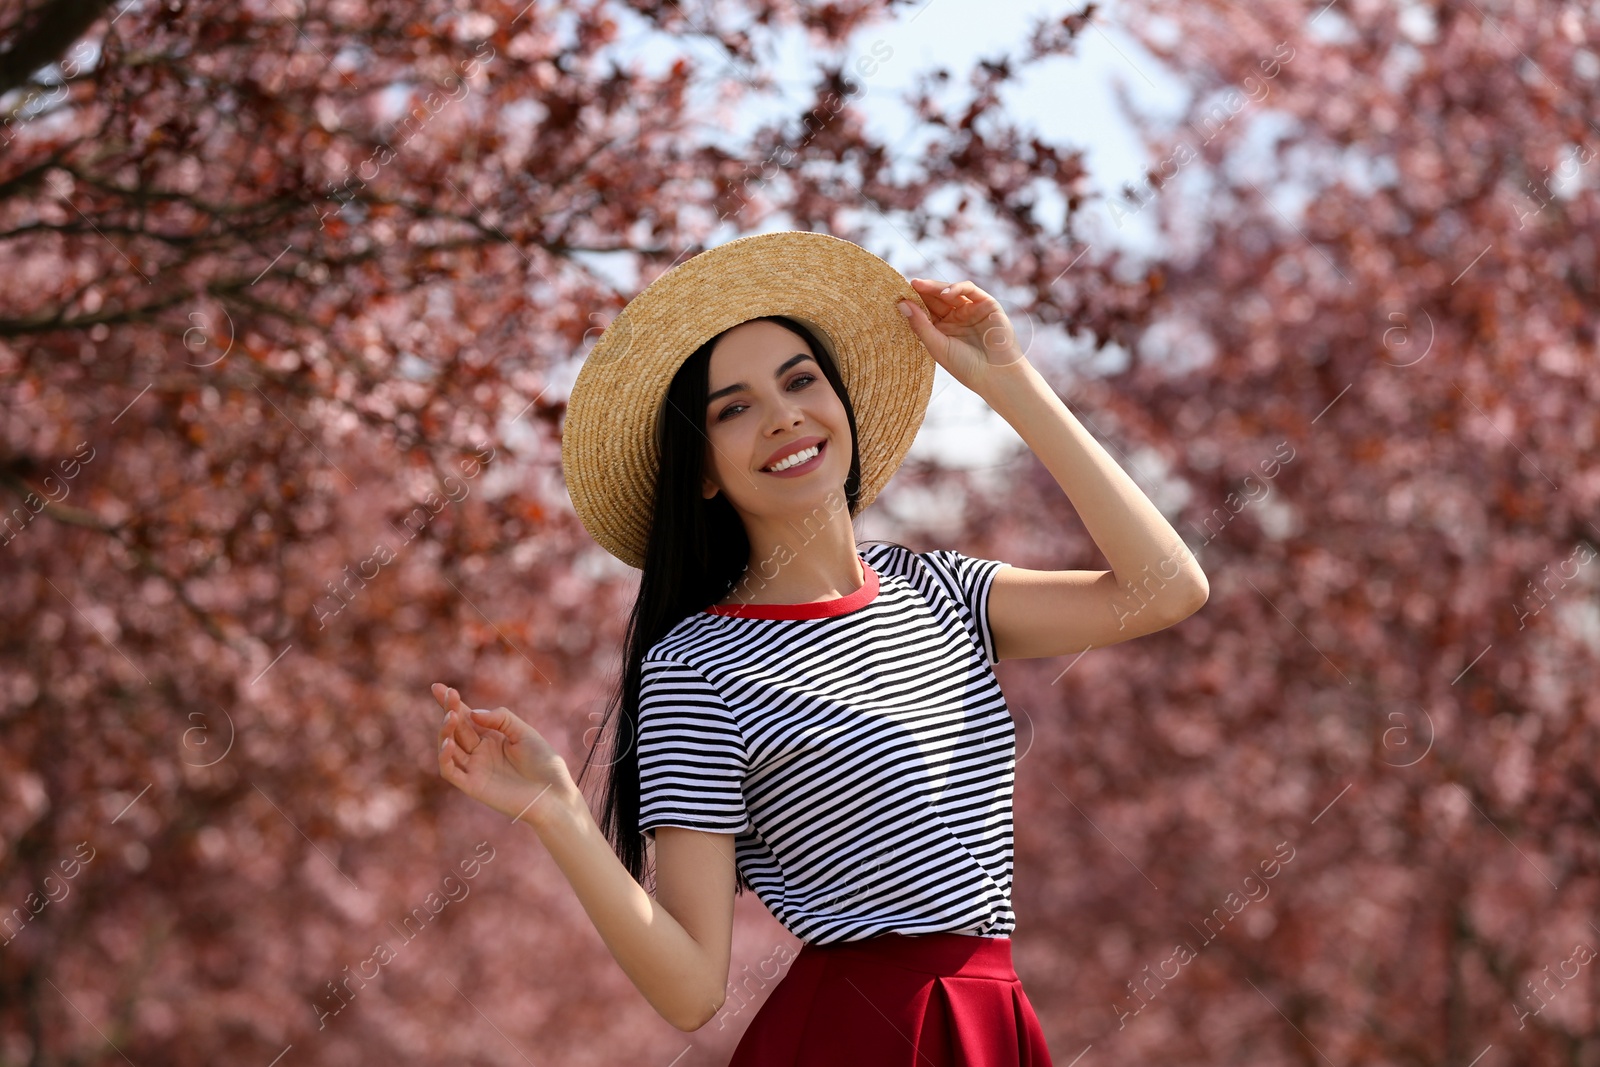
(293, 296)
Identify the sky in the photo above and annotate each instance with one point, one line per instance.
(1068, 99)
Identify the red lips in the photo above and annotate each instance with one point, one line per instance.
(790, 449)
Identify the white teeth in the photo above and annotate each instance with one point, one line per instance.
(798, 457)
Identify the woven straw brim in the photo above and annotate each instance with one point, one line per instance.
(846, 294)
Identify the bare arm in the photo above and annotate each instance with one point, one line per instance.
(675, 950)
(1052, 613)
(681, 967)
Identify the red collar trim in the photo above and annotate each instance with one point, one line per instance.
(821, 609)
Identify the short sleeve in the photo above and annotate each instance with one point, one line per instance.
(692, 756)
(968, 579)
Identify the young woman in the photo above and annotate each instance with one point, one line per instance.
(814, 722)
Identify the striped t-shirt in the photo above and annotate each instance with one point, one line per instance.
(860, 749)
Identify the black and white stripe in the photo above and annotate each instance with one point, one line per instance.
(865, 760)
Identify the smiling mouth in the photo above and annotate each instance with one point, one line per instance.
(798, 459)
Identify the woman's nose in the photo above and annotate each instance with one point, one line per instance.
(786, 414)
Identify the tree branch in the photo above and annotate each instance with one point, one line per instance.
(41, 35)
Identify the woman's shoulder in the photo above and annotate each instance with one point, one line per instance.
(944, 572)
(905, 557)
(903, 561)
(688, 637)
(888, 555)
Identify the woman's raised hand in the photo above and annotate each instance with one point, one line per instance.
(499, 760)
(967, 332)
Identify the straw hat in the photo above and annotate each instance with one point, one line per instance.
(845, 294)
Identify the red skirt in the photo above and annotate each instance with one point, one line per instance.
(895, 1000)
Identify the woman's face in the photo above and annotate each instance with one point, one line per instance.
(767, 395)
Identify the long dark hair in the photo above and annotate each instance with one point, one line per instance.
(698, 550)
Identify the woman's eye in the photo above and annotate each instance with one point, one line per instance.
(800, 380)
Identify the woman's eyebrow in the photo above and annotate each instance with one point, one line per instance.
(736, 386)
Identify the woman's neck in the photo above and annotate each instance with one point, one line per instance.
(812, 564)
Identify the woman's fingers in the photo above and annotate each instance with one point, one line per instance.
(461, 730)
(457, 726)
(441, 694)
(952, 301)
(969, 302)
(929, 291)
(452, 756)
(447, 697)
(465, 735)
(450, 759)
(444, 734)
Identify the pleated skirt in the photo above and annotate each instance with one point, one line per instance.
(896, 1000)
